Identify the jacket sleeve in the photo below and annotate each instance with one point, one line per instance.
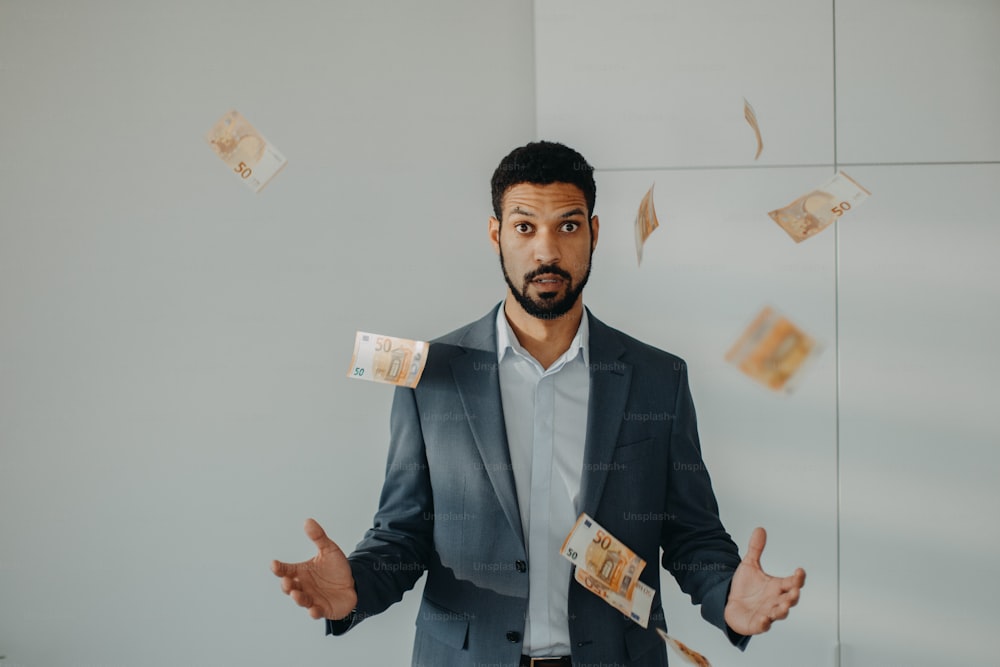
(394, 552)
(697, 550)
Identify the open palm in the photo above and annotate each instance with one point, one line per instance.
(756, 599)
(323, 584)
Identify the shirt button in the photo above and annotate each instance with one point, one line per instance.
(521, 566)
(513, 637)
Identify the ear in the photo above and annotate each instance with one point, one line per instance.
(495, 234)
(595, 228)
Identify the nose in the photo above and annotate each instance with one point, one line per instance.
(546, 248)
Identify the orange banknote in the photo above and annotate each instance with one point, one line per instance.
(772, 350)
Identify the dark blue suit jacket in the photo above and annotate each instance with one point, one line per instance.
(449, 506)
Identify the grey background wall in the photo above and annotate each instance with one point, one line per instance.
(877, 475)
(173, 346)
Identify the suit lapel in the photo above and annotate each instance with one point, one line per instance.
(477, 378)
(609, 385)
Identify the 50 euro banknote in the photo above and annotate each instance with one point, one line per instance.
(608, 568)
(813, 212)
(686, 653)
(645, 222)
(751, 117)
(773, 351)
(397, 361)
(245, 150)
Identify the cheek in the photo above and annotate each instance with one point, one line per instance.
(513, 253)
(581, 261)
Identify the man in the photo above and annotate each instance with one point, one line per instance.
(551, 413)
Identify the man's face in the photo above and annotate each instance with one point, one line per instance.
(545, 246)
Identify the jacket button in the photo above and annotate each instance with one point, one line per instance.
(521, 566)
(513, 637)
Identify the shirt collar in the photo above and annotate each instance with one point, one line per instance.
(507, 340)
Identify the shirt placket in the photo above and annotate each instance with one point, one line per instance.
(540, 516)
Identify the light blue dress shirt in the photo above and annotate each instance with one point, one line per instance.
(545, 412)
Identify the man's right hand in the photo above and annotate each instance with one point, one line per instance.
(323, 584)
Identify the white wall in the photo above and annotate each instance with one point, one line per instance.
(172, 346)
(879, 474)
(173, 391)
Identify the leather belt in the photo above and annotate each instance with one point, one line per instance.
(527, 661)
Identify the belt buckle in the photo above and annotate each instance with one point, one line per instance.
(545, 662)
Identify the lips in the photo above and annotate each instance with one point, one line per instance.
(548, 280)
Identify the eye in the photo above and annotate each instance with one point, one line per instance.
(570, 226)
(522, 227)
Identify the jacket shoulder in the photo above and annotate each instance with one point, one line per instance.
(455, 336)
(475, 334)
(637, 351)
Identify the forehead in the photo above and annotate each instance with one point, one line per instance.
(541, 198)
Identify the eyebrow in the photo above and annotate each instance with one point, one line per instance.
(528, 214)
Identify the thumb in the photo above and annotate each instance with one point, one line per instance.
(756, 547)
(316, 533)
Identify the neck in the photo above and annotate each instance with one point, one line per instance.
(545, 340)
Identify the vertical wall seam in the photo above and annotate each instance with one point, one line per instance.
(534, 65)
(836, 336)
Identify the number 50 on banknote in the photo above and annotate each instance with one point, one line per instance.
(609, 569)
(250, 156)
(813, 212)
(397, 361)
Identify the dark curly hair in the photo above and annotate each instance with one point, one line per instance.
(543, 162)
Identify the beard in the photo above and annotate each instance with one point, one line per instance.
(548, 305)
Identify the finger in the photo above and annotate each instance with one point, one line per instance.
(780, 612)
(794, 582)
(289, 584)
(777, 613)
(792, 597)
(284, 569)
(301, 598)
(756, 547)
(315, 532)
(764, 623)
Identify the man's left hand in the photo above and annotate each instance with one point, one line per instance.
(756, 599)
